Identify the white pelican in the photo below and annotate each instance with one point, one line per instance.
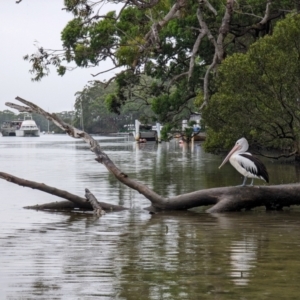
(248, 165)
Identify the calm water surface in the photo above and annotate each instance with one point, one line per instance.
(131, 254)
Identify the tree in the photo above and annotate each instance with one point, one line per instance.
(93, 108)
(178, 44)
(7, 115)
(258, 94)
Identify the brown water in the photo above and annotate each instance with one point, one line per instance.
(131, 254)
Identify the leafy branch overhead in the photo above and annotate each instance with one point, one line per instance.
(177, 44)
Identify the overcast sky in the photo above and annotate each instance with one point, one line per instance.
(21, 25)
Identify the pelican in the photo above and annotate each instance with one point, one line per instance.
(248, 165)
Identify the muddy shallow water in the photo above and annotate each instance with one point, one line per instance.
(131, 254)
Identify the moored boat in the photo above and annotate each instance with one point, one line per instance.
(20, 128)
(9, 128)
(28, 128)
(145, 133)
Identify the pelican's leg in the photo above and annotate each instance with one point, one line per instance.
(251, 184)
(244, 181)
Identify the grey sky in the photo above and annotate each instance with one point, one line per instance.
(20, 26)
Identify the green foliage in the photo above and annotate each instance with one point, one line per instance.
(112, 103)
(154, 69)
(165, 132)
(61, 70)
(188, 133)
(7, 115)
(258, 93)
(92, 107)
(170, 107)
(72, 33)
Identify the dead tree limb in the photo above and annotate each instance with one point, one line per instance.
(76, 201)
(101, 157)
(94, 203)
(222, 199)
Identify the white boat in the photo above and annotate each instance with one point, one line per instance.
(8, 128)
(146, 132)
(28, 128)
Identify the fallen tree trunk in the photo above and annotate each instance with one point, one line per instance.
(221, 199)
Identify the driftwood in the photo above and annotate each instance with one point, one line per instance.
(221, 199)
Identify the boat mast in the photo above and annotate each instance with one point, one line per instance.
(81, 117)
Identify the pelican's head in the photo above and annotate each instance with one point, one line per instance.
(240, 146)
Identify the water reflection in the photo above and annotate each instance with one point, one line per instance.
(243, 257)
(131, 254)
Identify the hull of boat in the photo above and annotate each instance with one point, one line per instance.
(27, 133)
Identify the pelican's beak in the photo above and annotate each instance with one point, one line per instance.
(235, 148)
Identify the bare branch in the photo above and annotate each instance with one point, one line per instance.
(267, 13)
(176, 77)
(94, 75)
(151, 37)
(45, 188)
(194, 52)
(206, 80)
(224, 29)
(210, 7)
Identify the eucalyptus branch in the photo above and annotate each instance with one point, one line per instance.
(204, 27)
(224, 29)
(206, 80)
(278, 156)
(210, 7)
(121, 10)
(267, 13)
(152, 36)
(194, 52)
(94, 75)
(144, 4)
(175, 78)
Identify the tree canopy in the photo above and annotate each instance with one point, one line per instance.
(93, 111)
(176, 44)
(258, 94)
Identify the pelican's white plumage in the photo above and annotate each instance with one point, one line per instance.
(246, 164)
